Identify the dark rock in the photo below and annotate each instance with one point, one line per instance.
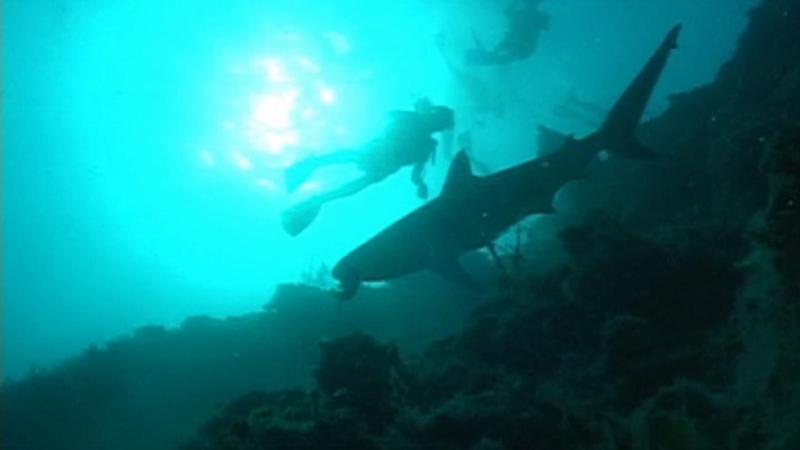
(358, 373)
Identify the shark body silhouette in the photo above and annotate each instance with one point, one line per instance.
(472, 211)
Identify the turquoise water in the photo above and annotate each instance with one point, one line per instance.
(144, 142)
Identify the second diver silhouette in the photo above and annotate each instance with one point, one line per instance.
(407, 141)
(521, 39)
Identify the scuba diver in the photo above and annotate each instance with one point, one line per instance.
(485, 99)
(406, 141)
(525, 23)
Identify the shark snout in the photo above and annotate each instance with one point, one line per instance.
(342, 271)
(348, 278)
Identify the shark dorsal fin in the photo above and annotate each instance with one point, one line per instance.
(460, 173)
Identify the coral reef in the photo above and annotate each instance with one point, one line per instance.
(361, 384)
(156, 386)
(675, 323)
(580, 364)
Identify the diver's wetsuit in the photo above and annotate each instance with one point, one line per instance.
(406, 142)
(525, 23)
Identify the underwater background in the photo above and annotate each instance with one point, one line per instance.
(151, 299)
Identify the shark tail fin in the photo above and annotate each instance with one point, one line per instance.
(299, 217)
(617, 132)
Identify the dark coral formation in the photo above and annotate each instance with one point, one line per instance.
(154, 387)
(675, 325)
(287, 419)
(361, 376)
(580, 364)
(361, 387)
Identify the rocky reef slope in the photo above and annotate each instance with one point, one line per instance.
(675, 325)
(153, 388)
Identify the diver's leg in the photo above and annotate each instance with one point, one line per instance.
(302, 170)
(347, 190)
(299, 217)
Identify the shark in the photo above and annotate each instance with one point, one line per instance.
(472, 211)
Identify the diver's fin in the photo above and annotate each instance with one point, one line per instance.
(617, 132)
(459, 175)
(454, 272)
(299, 217)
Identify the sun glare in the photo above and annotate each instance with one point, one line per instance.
(291, 109)
(338, 42)
(274, 111)
(267, 184)
(327, 96)
(207, 158)
(241, 161)
(307, 64)
(275, 70)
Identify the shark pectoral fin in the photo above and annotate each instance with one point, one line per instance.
(299, 217)
(454, 272)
